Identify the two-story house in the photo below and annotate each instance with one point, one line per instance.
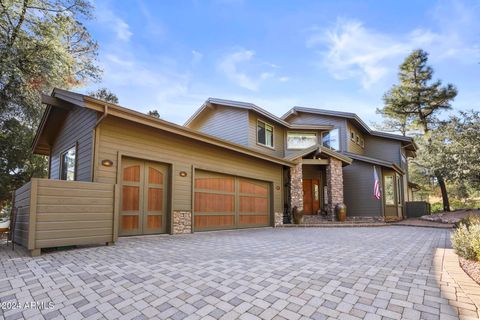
(336, 155)
(116, 172)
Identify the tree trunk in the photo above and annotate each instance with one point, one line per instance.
(443, 188)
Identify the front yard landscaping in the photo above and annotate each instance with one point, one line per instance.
(466, 241)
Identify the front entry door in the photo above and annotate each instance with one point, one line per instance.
(143, 199)
(311, 196)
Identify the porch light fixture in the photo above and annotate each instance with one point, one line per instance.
(277, 187)
(107, 163)
(183, 173)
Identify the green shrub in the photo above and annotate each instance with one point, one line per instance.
(466, 238)
(468, 221)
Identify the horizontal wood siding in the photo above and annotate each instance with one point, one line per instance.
(117, 136)
(384, 149)
(225, 123)
(318, 119)
(78, 128)
(73, 213)
(22, 204)
(352, 145)
(358, 190)
(278, 135)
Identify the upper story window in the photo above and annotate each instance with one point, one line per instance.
(331, 139)
(301, 140)
(264, 134)
(68, 164)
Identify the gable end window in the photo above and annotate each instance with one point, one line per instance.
(68, 164)
(352, 135)
(301, 140)
(264, 134)
(331, 139)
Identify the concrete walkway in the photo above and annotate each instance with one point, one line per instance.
(287, 273)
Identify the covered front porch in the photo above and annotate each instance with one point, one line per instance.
(315, 185)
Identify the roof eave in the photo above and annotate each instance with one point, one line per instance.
(119, 111)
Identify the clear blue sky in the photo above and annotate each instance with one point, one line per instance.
(342, 55)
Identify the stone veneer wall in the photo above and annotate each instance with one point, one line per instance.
(278, 218)
(182, 222)
(296, 186)
(334, 185)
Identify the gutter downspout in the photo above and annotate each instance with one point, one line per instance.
(104, 115)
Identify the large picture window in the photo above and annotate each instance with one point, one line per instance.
(300, 140)
(264, 134)
(68, 163)
(389, 190)
(331, 139)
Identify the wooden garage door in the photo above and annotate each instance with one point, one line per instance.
(143, 197)
(228, 202)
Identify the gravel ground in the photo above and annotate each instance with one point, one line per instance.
(472, 268)
(450, 217)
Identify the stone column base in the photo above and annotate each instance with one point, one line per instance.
(182, 222)
(278, 219)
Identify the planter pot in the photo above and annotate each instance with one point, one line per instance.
(298, 220)
(341, 211)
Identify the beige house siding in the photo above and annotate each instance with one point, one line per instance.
(278, 135)
(352, 145)
(78, 128)
(117, 137)
(71, 212)
(55, 213)
(225, 123)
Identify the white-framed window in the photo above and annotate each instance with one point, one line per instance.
(264, 134)
(389, 188)
(301, 140)
(352, 135)
(68, 164)
(331, 139)
(362, 142)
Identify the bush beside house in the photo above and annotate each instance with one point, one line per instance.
(466, 242)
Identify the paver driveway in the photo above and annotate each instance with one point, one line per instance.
(344, 273)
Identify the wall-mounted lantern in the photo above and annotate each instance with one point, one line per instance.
(107, 163)
(183, 174)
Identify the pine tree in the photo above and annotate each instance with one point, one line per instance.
(418, 100)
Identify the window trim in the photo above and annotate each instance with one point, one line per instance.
(302, 132)
(76, 161)
(362, 142)
(339, 139)
(273, 134)
(352, 135)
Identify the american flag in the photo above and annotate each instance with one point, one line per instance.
(376, 184)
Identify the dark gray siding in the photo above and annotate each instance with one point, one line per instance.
(77, 128)
(225, 123)
(317, 119)
(383, 149)
(358, 190)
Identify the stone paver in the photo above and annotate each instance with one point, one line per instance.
(286, 273)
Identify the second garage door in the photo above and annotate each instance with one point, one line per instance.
(229, 202)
